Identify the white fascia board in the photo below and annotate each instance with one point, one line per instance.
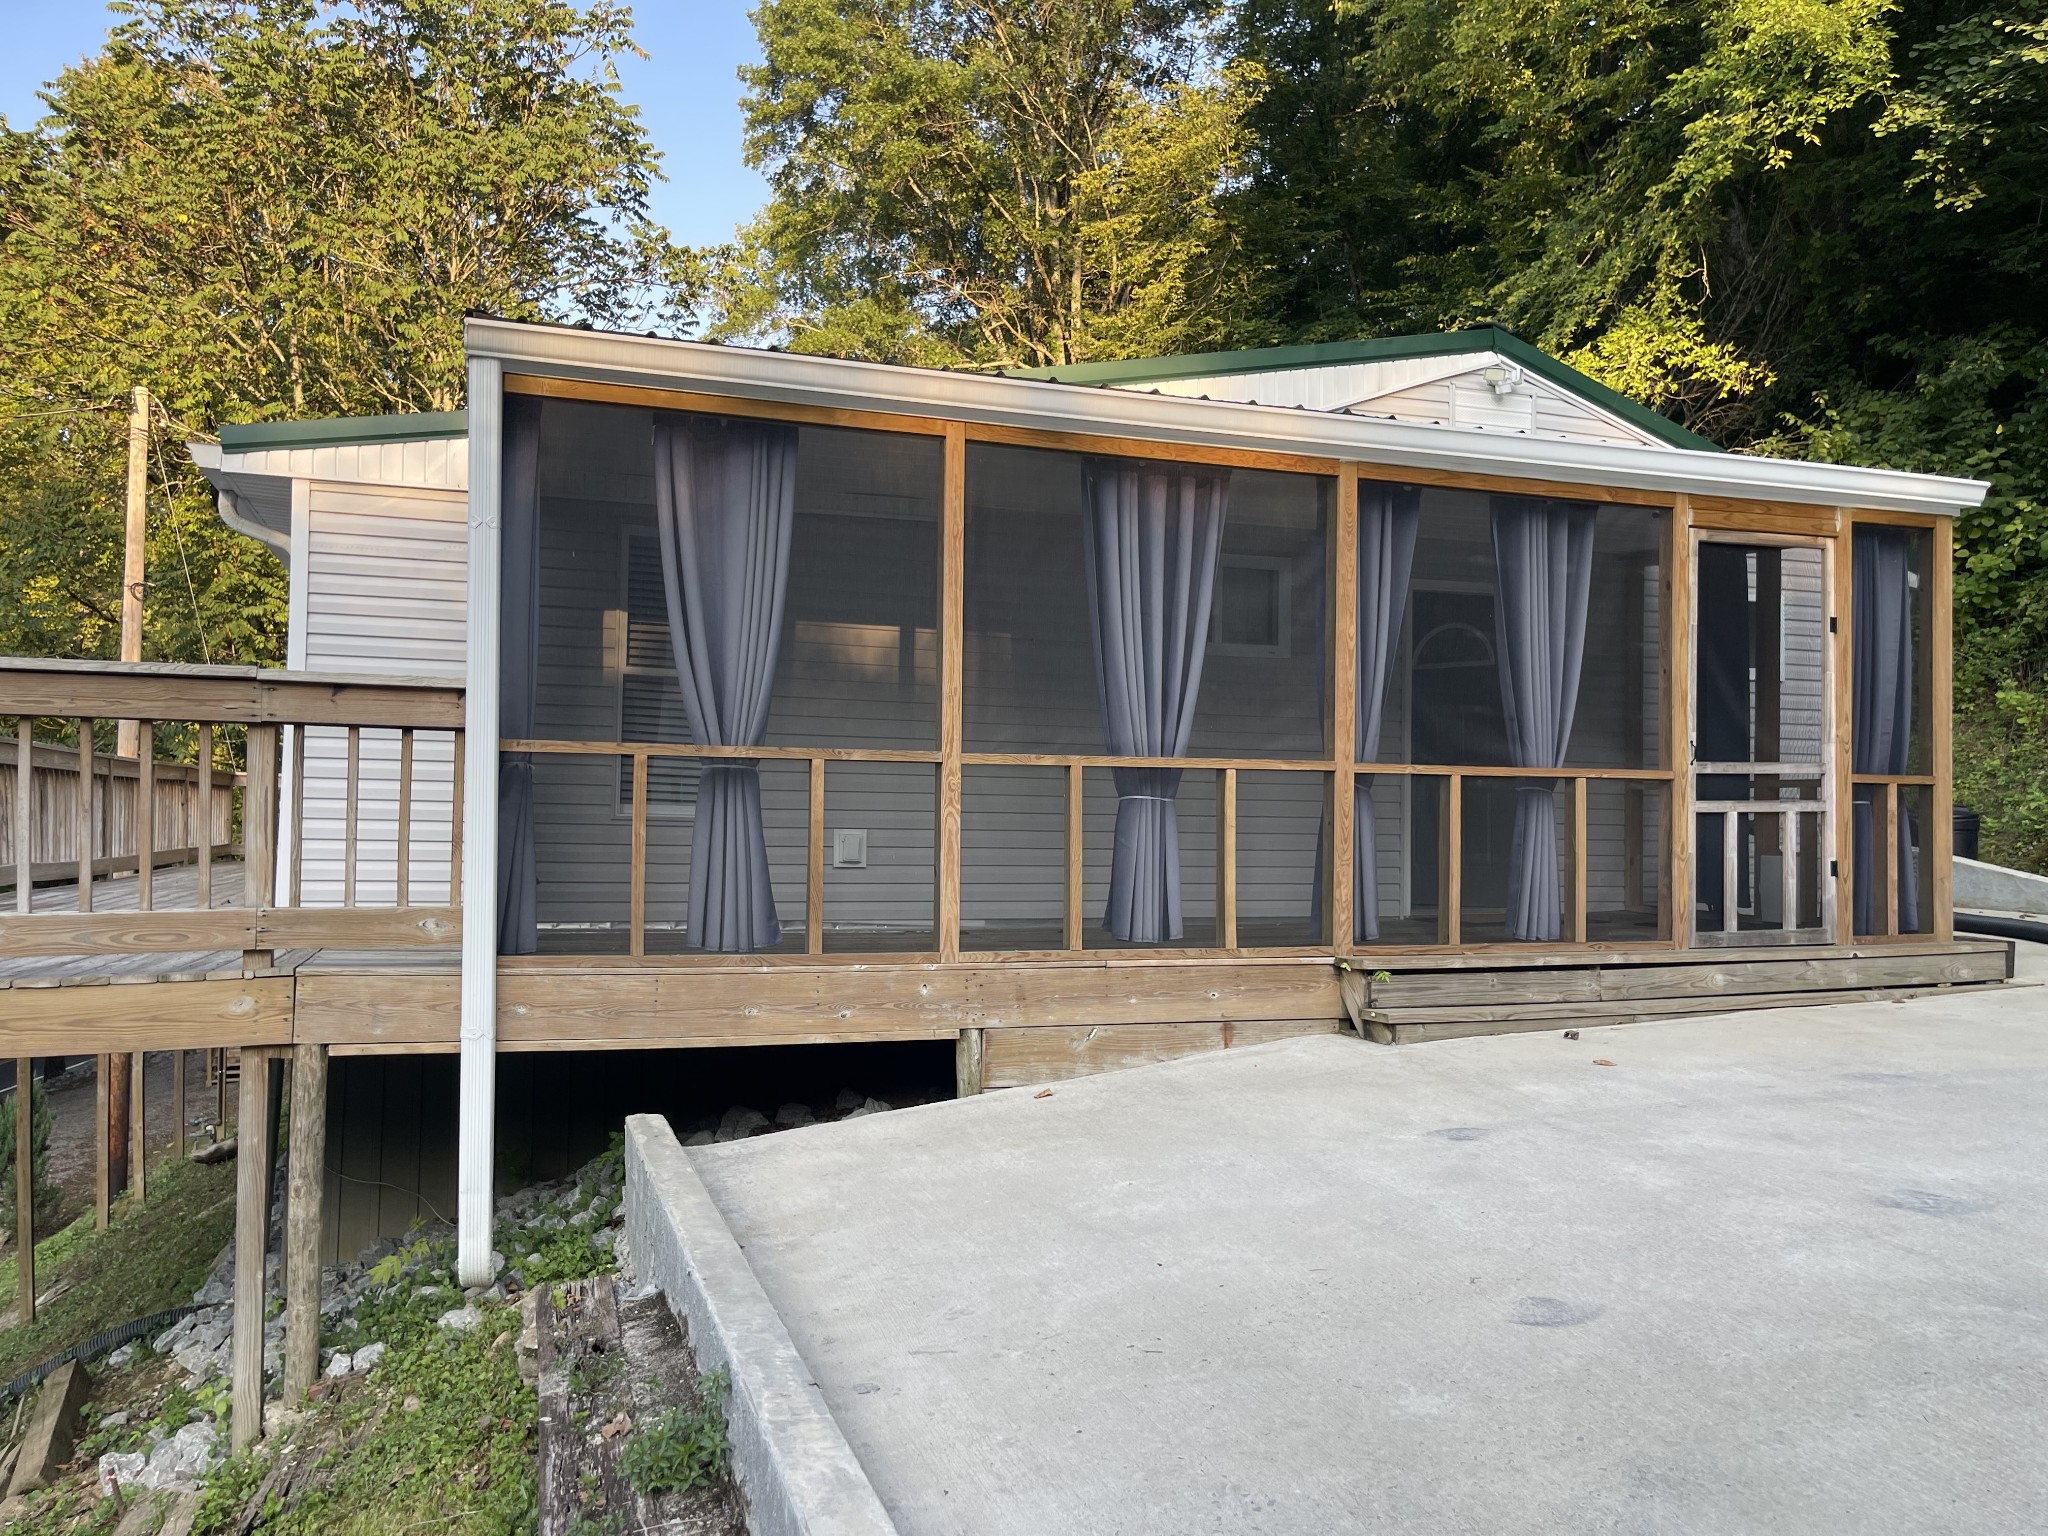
(652, 362)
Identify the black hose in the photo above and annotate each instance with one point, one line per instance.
(1997, 927)
(98, 1344)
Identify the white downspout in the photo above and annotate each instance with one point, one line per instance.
(478, 1094)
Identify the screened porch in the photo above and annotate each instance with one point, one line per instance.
(727, 728)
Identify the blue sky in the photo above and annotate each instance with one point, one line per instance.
(686, 91)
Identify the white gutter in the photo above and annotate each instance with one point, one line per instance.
(229, 507)
(603, 357)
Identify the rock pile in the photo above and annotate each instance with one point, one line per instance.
(742, 1121)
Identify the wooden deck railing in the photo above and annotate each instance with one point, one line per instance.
(1886, 793)
(225, 713)
(1642, 784)
(108, 822)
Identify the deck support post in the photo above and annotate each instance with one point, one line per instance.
(102, 1173)
(307, 1183)
(24, 1190)
(252, 1236)
(967, 1064)
(138, 1127)
(478, 1091)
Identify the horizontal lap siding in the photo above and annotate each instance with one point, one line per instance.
(841, 682)
(1031, 688)
(386, 593)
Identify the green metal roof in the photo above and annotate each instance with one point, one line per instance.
(328, 431)
(1486, 338)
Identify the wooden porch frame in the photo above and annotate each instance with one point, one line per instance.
(1691, 516)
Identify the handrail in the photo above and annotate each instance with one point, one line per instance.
(142, 690)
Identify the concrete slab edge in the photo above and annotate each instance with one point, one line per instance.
(789, 1456)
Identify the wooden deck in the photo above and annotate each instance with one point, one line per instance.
(1019, 1022)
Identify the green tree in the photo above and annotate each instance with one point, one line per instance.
(1805, 227)
(1014, 182)
(278, 208)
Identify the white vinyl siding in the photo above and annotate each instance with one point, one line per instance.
(384, 593)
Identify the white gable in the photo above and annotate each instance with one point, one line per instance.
(1467, 389)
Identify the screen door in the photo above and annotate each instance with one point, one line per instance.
(1762, 747)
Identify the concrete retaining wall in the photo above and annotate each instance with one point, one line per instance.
(793, 1464)
(1994, 888)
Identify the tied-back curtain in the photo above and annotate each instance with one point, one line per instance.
(1152, 533)
(725, 500)
(1387, 519)
(518, 670)
(1882, 714)
(1542, 579)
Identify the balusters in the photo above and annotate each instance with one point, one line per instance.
(83, 821)
(1075, 927)
(404, 869)
(205, 765)
(814, 885)
(351, 811)
(24, 802)
(1226, 858)
(638, 917)
(145, 815)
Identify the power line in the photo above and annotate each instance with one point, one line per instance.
(75, 410)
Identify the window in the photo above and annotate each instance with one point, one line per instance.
(650, 701)
(1250, 614)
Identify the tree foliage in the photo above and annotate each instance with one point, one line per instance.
(991, 181)
(1803, 227)
(279, 208)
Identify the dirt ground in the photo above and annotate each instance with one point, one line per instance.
(72, 1114)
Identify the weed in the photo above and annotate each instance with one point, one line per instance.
(685, 1448)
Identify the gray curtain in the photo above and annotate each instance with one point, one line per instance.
(725, 499)
(1387, 519)
(518, 668)
(1151, 534)
(1542, 578)
(1882, 716)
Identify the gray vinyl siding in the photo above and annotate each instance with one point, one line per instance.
(386, 574)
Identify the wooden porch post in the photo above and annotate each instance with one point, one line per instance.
(24, 1191)
(252, 1234)
(1941, 691)
(1342, 688)
(952, 668)
(1840, 558)
(1675, 730)
(307, 1175)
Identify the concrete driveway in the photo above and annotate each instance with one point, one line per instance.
(1779, 1271)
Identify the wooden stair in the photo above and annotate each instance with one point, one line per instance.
(1444, 1000)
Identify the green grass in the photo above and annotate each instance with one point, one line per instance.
(461, 1462)
(146, 1261)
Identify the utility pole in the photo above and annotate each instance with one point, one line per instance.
(120, 1069)
(133, 573)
